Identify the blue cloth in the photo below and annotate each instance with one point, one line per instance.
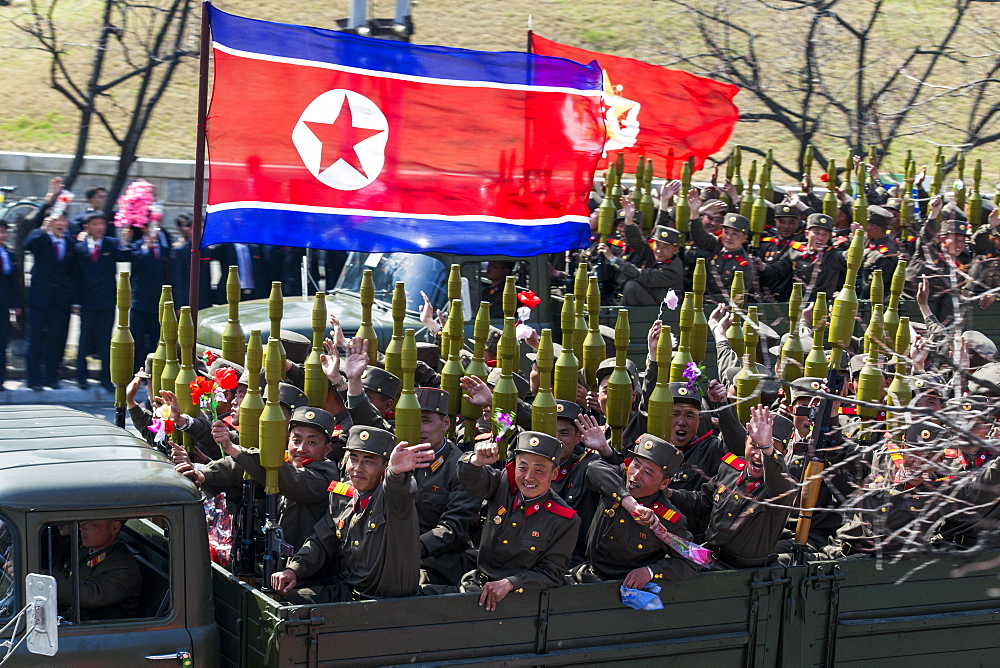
(646, 598)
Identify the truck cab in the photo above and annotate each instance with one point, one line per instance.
(61, 469)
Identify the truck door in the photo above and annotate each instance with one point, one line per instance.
(120, 586)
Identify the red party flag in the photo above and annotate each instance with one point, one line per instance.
(654, 111)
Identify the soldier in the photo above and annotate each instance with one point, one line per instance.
(775, 245)
(302, 479)
(905, 242)
(628, 245)
(446, 511)
(815, 264)
(649, 286)
(727, 254)
(372, 533)
(880, 250)
(495, 277)
(621, 543)
(109, 577)
(703, 453)
(597, 401)
(584, 443)
(976, 414)
(742, 532)
(530, 532)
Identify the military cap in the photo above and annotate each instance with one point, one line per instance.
(974, 405)
(767, 388)
(986, 380)
(806, 387)
(221, 363)
(737, 222)
(661, 453)
(782, 429)
(819, 220)
(363, 438)
(608, 365)
(567, 410)
(684, 394)
(927, 383)
(537, 443)
(667, 235)
(923, 434)
(858, 361)
(381, 381)
(952, 211)
(879, 216)
(955, 227)
(291, 396)
(308, 416)
(980, 344)
(147, 368)
(520, 382)
(429, 354)
(297, 346)
(432, 399)
(893, 204)
(786, 211)
(804, 338)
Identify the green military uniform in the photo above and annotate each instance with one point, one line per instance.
(742, 532)
(879, 253)
(774, 247)
(527, 542)
(723, 264)
(616, 543)
(374, 538)
(702, 455)
(818, 271)
(571, 479)
(303, 490)
(647, 286)
(445, 510)
(110, 583)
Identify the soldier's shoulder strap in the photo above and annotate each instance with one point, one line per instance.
(342, 488)
(735, 461)
(669, 514)
(559, 509)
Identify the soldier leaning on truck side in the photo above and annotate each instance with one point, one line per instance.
(372, 534)
(302, 480)
(621, 544)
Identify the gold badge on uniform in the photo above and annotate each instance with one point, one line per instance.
(648, 445)
(560, 408)
(609, 512)
(310, 415)
(363, 436)
(533, 441)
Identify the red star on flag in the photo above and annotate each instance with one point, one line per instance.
(340, 139)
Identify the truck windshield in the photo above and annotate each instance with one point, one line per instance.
(8, 558)
(420, 273)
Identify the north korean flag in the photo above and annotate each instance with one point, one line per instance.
(328, 140)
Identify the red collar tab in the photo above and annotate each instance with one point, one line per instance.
(510, 477)
(556, 509)
(753, 485)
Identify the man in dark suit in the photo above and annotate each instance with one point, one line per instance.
(150, 271)
(11, 286)
(255, 271)
(52, 293)
(96, 259)
(180, 262)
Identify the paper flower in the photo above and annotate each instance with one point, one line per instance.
(226, 378)
(523, 313)
(692, 373)
(200, 386)
(824, 178)
(209, 357)
(134, 205)
(529, 299)
(63, 200)
(161, 425)
(671, 300)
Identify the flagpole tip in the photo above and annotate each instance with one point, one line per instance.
(529, 21)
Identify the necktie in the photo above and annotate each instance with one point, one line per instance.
(59, 250)
(94, 254)
(156, 251)
(6, 261)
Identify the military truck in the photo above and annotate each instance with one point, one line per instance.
(60, 467)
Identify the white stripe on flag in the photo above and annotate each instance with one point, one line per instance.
(301, 208)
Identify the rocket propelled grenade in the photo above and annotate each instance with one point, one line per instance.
(233, 339)
(316, 383)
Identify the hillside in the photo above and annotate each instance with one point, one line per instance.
(35, 118)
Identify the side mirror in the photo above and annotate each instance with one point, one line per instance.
(42, 635)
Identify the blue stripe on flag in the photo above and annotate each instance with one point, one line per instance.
(329, 46)
(282, 227)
